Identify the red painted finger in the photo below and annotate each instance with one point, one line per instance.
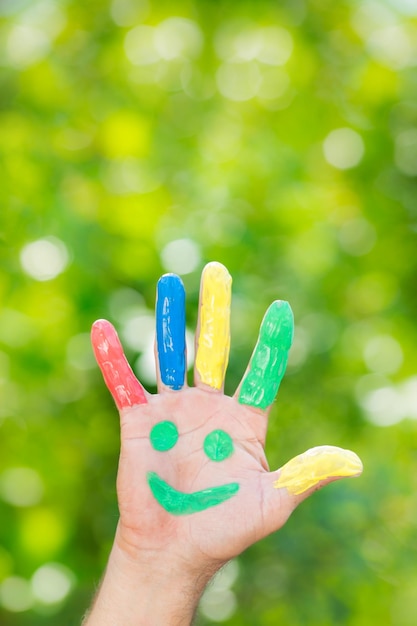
(117, 373)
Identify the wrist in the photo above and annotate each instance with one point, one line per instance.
(147, 588)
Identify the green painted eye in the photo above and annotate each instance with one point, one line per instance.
(218, 445)
(164, 436)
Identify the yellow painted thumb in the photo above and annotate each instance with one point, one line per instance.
(309, 469)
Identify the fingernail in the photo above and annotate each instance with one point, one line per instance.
(308, 469)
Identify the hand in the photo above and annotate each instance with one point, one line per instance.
(194, 487)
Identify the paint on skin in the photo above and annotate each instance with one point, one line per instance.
(269, 359)
(306, 470)
(180, 503)
(214, 338)
(164, 436)
(117, 373)
(170, 330)
(218, 445)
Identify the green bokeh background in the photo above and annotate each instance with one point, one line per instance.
(124, 130)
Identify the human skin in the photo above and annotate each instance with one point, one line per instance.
(161, 562)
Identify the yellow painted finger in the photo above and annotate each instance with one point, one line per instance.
(213, 342)
(307, 470)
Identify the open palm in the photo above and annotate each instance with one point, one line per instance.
(193, 479)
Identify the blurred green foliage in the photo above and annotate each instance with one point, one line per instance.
(279, 138)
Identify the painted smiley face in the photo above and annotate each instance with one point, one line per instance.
(218, 446)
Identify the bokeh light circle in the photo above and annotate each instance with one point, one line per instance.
(343, 148)
(44, 259)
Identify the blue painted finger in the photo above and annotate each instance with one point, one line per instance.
(170, 330)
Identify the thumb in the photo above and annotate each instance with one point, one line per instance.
(314, 469)
(302, 476)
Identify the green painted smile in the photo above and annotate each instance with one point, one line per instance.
(180, 503)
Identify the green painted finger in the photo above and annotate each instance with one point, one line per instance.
(269, 359)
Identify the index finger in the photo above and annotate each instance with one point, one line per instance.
(268, 363)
